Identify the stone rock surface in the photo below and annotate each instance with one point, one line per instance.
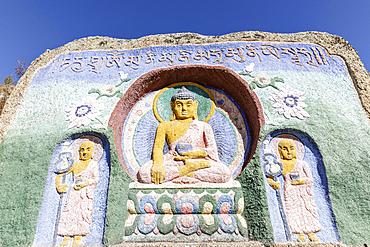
(35, 172)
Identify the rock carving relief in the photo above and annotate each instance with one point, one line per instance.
(185, 136)
(260, 80)
(111, 90)
(206, 142)
(290, 103)
(184, 122)
(297, 201)
(192, 155)
(75, 218)
(207, 211)
(73, 209)
(88, 111)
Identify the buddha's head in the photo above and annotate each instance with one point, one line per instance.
(184, 105)
(287, 149)
(86, 151)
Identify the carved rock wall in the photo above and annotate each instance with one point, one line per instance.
(33, 123)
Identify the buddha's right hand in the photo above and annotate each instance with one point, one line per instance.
(158, 173)
(274, 185)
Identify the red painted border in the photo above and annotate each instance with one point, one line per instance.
(214, 76)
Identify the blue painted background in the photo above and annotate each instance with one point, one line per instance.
(103, 74)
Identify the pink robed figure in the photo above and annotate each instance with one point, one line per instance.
(198, 161)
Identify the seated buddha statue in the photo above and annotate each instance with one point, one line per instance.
(192, 155)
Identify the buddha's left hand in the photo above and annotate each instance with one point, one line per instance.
(298, 182)
(81, 185)
(191, 155)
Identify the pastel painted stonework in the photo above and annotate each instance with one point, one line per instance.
(73, 208)
(186, 211)
(299, 201)
(289, 103)
(75, 219)
(222, 118)
(290, 168)
(196, 170)
(187, 154)
(83, 112)
(200, 160)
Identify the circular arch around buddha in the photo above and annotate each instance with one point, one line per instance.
(217, 77)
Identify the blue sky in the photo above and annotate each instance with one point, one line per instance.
(28, 28)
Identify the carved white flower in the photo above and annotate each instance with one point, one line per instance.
(262, 79)
(289, 102)
(82, 112)
(108, 90)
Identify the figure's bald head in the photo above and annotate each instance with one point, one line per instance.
(287, 149)
(86, 150)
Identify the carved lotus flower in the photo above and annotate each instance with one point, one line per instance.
(289, 102)
(82, 112)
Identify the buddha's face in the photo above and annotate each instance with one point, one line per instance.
(287, 149)
(184, 109)
(86, 151)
